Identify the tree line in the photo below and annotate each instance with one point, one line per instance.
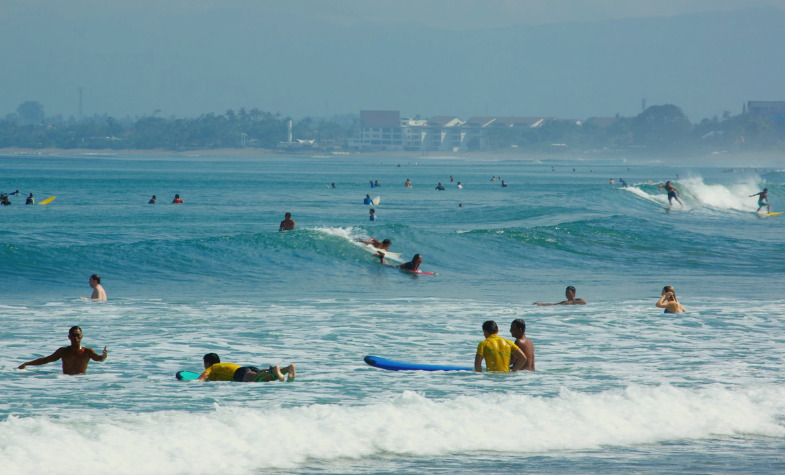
(658, 128)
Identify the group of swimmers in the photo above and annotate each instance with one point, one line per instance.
(175, 200)
(6, 201)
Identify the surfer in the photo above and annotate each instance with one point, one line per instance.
(30, 200)
(287, 224)
(518, 331)
(152, 200)
(98, 290)
(668, 301)
(611, 182)
(372, 213)
(673, 193)
(383, 245)
(177, 199)
(332, 185)
(408, 184)
(410, 266)
(460, 187)
(367, 200)
(214, 370)
(440, 187)
(75, 357)
(504, 184)
(496, 351)
(4, 200)
(763, 200)
(571, 300)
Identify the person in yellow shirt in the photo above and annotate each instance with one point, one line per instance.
(496, 351)
(214, 370)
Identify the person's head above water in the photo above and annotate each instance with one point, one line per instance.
(211, 359)
(490, 327)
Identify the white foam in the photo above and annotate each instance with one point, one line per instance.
(245, 440)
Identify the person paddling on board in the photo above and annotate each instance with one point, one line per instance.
(410, 266)
(571, 299)
(214, 370)
(496, 351)
(75, 357)
(673, 193)
(518, 331)
(763, 200)
(287, 224)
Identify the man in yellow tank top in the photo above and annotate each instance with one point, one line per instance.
(496, 351)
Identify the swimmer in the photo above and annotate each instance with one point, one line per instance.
(152, 200)
(30, 200)
(668, 301)
(763, 200)
(98, 290)
(673, 193)
(440, 187)
(383, 245)
(177, 199)
(571, 300)
(4, 200)
(460, 187)
(504, 184)
(332, 185)
(287, 224)
(75, 357)
(367, 200)
(611, 182)
(214, 370)
(372, 214)
(497, 352)
(408, 184)
(518, 331)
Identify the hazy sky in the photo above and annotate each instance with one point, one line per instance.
(317, 57)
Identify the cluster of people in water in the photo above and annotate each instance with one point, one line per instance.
(5, 198)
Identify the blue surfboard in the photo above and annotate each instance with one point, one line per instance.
(392, 365)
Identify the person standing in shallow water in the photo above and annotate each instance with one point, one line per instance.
(518, 331)
(98, 290)
(668, 301)
(75, 357)
(287, 224)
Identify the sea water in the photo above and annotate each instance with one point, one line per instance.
(619, 385)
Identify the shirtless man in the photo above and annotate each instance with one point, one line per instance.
(571, 300)
(98, 291)
(763, 200)
(518, 331)
(673, 193)
(75, 357)
(287, 224)
(383, 245)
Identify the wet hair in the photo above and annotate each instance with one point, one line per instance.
(211, 358)
(73, 329)
(96, 278)
(572, 289)
(416, 257)
(490, 327)
(386, 241)
(669, 288)
(372, 211)
(287, 215)
(520, 324)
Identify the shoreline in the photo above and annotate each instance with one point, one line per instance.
(724, 159)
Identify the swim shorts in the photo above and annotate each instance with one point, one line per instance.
(240, 372)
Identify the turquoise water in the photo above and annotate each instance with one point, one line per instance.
(619, 387)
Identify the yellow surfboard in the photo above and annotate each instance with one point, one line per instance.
(47, 201)
(774, 214)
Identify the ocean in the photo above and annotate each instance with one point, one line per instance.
(619, 386)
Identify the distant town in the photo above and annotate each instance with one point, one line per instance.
(760, 126)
